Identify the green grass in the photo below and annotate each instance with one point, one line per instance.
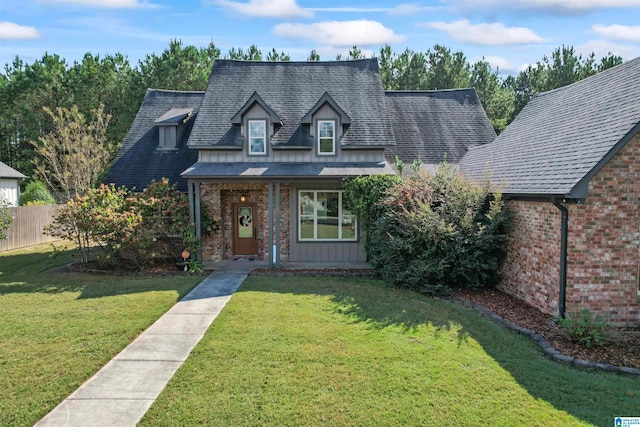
(57, 329)
(354, 352)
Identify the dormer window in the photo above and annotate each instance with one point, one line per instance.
(326, 137)
(168, 125)
(257, 138)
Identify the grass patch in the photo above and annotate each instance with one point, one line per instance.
(354, 352)
(58, 329)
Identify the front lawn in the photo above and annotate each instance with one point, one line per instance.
(354, 352)
(57, 329)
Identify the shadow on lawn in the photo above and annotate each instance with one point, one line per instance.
(42, 272)
(592, 397)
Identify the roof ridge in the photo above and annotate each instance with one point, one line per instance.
(176, 91)
(458, 89)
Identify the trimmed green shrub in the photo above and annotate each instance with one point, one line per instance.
(438, 231)
(36, 193)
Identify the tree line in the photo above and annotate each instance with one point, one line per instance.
(33, 97)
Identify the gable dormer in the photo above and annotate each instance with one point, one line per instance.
(258, 122)
(170, 127)
(327, 122)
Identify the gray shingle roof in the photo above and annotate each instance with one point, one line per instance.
(564, 136)
(173, 116)
(432, 124)
(7, 171)
(292, 89)
(285, 170)
(139, 161)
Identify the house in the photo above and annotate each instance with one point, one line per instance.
(10, 184)
(569, 165)
(266, 147)
(156, 145)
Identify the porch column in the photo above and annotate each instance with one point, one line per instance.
(198, 256)
(276, 245)
(270, 253)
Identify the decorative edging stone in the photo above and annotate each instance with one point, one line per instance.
(548, 349)
(316, 272)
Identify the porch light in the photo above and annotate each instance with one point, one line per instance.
(243, 198)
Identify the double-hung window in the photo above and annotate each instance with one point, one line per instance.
(326, 137)
(322, 217)
(257, 137)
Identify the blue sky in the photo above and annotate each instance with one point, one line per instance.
(509, 33)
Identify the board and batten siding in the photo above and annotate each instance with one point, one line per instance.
(10, 191)
(321, 251)
(291, 156)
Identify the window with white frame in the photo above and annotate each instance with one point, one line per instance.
(257, 137)
(321, 217)
(326, 137)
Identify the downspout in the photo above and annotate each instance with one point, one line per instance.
(564, 233)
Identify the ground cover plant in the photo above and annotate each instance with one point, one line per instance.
(59, 328)
(357, 352)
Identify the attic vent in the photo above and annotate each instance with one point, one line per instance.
(168, 124)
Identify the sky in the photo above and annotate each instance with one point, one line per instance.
(509, 34)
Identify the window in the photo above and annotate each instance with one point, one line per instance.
(257, 137)
(321, 217)
(326, 137)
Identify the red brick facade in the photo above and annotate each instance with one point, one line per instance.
(603, 246)
(219, 200)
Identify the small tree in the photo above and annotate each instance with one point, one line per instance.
(36, 193)
(6, 219)
(74, 155)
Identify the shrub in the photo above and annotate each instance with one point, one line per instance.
(6, 219)
(36, 193)
(439, 230)
(584, 328)
(139, 227)
(362, 196)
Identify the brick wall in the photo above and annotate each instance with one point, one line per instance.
(603, 246)
(604, 241)
(219, 200)
(531, 271)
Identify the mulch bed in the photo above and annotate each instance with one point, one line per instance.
(623, 351)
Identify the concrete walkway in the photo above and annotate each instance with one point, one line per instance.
(124, 389)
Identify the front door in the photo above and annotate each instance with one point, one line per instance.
(245, 235)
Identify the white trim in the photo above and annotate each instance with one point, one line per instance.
(263, 137)
(333, 137)
(340, 218)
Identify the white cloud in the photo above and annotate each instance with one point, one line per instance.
(108, 4)
(502, 64)
(266, 8)
(10, 30)
(495, 34)
(340, 33)
(413, 9)
(401, 9)
(563, 6)
(602, 48)
(618, 32)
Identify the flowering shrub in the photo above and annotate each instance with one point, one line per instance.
(139, 227)
(437, 231)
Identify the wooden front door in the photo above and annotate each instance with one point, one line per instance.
(245, 233)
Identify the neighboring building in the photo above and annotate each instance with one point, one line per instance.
(269, 144)
(569, 165)
(10, 184)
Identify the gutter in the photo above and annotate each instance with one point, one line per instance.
(564, 233)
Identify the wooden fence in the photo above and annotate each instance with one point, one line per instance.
(28, 226)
